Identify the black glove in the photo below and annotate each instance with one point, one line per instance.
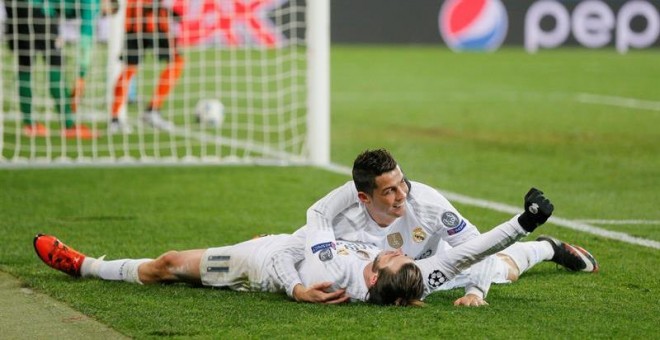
(537, 210)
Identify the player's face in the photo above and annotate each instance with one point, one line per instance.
(392, 260)
(387, 202)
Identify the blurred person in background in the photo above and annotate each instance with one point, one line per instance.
(148, 26)
(32, 28)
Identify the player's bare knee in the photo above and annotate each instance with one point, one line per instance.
(163, 265)
(513, 273)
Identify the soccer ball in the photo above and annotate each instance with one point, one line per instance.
(210, 112)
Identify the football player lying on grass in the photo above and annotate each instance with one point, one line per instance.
(352, 270)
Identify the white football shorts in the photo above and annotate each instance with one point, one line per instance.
(241, 267)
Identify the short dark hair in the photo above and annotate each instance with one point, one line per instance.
(370, 164)
(403, 288)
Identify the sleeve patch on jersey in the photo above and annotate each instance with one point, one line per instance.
(450, 220)
(322, 246)
(325, 255)
(458, 229)
(436, 279)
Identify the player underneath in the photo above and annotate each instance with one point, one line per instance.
(32, 28)
(147, 27)
(388, 278)
(350, 267)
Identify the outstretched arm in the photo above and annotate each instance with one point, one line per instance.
(321, 214)
(443, 267)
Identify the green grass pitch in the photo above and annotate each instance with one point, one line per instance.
(484, 125)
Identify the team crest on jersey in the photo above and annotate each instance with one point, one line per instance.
(395, 240)
(325, 255)
(419, 235)
(449, 219)
(436, 279)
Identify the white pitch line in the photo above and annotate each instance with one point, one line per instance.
(630, 103)
(634, 222)
(501, 207)
(562, 222)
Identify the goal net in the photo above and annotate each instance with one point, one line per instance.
(251, 85)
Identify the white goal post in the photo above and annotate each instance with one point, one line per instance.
(264, 65)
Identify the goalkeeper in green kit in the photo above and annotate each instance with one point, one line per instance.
(32, 28)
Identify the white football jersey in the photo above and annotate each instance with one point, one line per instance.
(244, 266)
(429, 221)
(343, 264)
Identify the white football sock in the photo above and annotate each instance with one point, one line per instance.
(116, 270)
(90, 266)
(528, 254)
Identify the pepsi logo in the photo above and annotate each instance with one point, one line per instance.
(473, 25)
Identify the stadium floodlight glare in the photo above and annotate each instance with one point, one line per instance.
(266, 61)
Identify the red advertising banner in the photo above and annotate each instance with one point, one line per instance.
(229, 22)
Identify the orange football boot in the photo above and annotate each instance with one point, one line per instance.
(79, 131)
(35, 130)
(58, 255)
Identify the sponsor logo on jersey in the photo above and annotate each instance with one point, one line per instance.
(450, 220)
(363, 255)
(325, 255)
(395, 240)
(436, 279)
(419, 235)
(322, 246)
(355, 245)
(458, 229)
(425, 254)
(477, 25)
(358, 249)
